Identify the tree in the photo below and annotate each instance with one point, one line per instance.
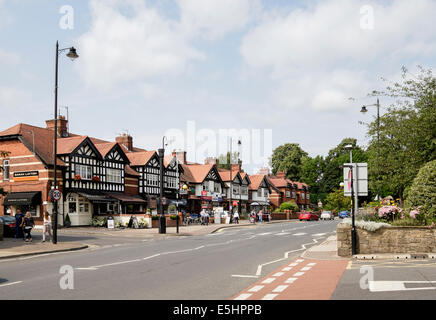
(288, 158)
(224, 160)
(422, 193)
(407, 133)
(332, 174)
(311, 173)
(290, 205)
(337, 201)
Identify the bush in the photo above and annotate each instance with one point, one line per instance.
(172, 208)
(173, 217)
(155, 217)
(367, 225)
(277, 210)
(96, 222)
(290, 205)
(422, 193)
(142, 223)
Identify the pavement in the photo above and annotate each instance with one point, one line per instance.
(11, 248)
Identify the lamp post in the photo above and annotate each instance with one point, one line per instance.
(162, 222)
(353, 226)
(356, 196)
(231, 180)
(72, 54)
(364, 111)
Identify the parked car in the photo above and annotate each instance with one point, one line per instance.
(344, 214)
(308, 215)
(8, 226)
(327, 215)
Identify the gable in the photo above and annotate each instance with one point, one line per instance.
(153, 162)
(87, 149)
(117, 154)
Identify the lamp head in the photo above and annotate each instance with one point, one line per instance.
(341, 184)
(72, 54)
(348, 147)
(364, 110)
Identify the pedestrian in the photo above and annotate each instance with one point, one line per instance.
(260, 215)
(27, 226)
(19, 216)
(253, 216)
(46, 227)
(203, 216)
(249, 216)
(236, 217)
(207, 216)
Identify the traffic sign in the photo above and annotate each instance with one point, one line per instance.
(55, 195)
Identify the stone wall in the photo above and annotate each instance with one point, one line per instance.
(394, 240)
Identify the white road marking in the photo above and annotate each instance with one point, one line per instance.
(270, 296)
(268, 280)
(293, 264)
(299, 234)
(291, 280)
(311, 264)
(243, 276)
(318, 234)
(287, 269)
(306, 268)
(385, 286)
(299, 260)
(280, 288)
(243, 296)
(10, 284)
(87, 269)
(264, 234)
(278, 274)
(256, 288)
(282, 233)
(298, 274)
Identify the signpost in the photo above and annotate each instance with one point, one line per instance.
(359, 180)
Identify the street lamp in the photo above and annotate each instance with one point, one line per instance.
(231, 180)
(353, 226)
(72, 54)
(356, 198)
(364, 110)
(162, 222)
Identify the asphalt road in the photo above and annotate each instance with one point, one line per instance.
(214, 266)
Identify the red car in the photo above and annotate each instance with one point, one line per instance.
(308, 215)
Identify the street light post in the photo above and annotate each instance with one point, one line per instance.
(364, 110)
(353, 209)
(162, 222)
(356, 196)
(72, 54)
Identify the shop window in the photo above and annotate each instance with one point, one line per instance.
(6, 170)
(72, 207)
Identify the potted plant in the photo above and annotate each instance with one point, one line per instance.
(96, 179)
(67, 222)
(77, 177)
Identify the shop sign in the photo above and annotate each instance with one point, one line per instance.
(26, 176)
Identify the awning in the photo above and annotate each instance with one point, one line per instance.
(259, 203)
(180, 202)
(23, 198)
(126, 198)
(97, 197)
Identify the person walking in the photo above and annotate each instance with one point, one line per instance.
(207, 216)
(27, 226)
(19, 216)
(253, 216)
(46, 227)
(236, 217)
(203, 216)
(260, 215)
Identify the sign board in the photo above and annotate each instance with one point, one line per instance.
(360, 179)
(204, 193)
(57, 195)
(110, 224)
(26, 176)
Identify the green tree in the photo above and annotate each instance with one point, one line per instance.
(224, 160)
(290, 205)
(337, 201)
(288, 158)
(422, 193)
(407, 133)
(312, 170)
(332, 174)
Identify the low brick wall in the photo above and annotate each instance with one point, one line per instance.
(394, 240)
(283, 216)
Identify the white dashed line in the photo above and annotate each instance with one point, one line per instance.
(270, 296)
(243, 296)
(282, 233)
(311, 264)
(278, 274)
(299, 234)
(291, 280)
(10, 284)
(287, 269)
(298, 274)
(268, 280)
(264, 234)
(255, 289)
(293, 264)
(280, 288)
(318, 234)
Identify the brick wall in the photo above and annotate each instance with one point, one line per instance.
(387, 240)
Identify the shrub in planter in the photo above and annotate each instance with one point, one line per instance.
(142, 223)
(290, 205)
(67, 222)
(155, 217)
(173, 217)
(422, 194)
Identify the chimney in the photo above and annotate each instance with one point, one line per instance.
(62, 126)
(211, 160)
(181, 156)
(237, 167)
(126, 140)
(281, 174)
(264, 171)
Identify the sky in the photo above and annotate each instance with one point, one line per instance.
(277, 71)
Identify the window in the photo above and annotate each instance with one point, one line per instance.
(235, 189)
(302, 196)
(308, 196)
(216, 188)
(265, 193)
(85, 172)
(259, 192)
(206, 186)
(288, 194)
(6, 170)
(113, 175)
(152, 180)
(244, 190)
(294, 195)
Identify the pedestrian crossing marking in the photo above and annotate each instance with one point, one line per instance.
(255, 289)
(299, 234)
(287, 269)
(243, 296)
(291, 280)
(270, 296)
(298, 274)
(278, 274)
(268, 280)
(306, 268)
(280, 288)
(299, 260)
(311, 264)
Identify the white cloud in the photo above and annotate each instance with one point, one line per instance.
(9, 58)
(128, 41)
(212, 18)
(319, 55)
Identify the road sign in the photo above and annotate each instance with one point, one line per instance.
(55, 195)
(360, 179)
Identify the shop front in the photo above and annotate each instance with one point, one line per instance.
(24, 201)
